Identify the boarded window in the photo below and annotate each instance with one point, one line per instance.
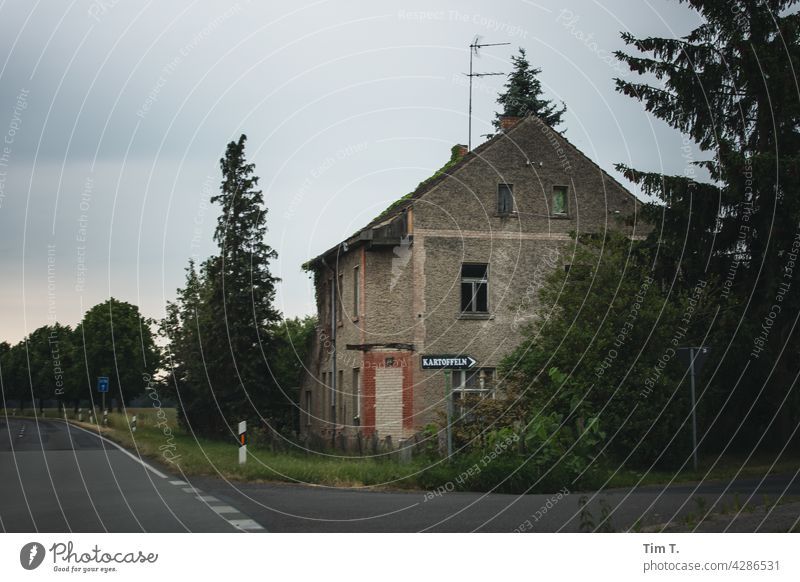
(505, 198)
(474, 288)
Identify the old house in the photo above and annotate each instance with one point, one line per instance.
(450, 269)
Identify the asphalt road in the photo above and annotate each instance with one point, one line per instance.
(301, 508)
(56, 478)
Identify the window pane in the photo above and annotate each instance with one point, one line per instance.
(481, 299)
(505, 198)
(473, 271)
(559, 200)
(466, 297)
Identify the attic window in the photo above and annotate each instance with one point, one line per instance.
(505, 198)
(559, 201)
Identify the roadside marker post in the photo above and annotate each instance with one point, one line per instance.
(105, 417)
(133, 423)
(80, 415)
(242, 442)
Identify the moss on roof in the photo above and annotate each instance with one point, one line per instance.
(455, 155)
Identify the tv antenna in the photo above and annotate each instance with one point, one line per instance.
(473, 52)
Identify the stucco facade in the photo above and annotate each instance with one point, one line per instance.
(402, 284)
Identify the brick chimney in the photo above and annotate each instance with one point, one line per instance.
(508, 121)
(461, 150)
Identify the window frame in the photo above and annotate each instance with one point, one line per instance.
(475, 283)
(566, 200)
(460, 391)
(511, 202)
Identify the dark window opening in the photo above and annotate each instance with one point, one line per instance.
(474, 288)
(505, 198)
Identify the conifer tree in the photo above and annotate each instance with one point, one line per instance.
(523, 95)
(730, 86)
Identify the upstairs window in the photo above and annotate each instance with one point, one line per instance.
(559, 202)
(474, 288)
(505, 198)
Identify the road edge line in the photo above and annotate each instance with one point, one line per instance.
(123, 449)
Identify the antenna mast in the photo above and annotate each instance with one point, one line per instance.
(473, 51)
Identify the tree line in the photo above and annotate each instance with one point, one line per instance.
(222, 352)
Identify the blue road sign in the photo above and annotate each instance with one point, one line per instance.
(102, 384)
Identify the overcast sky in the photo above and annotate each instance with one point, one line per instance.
(115, 113)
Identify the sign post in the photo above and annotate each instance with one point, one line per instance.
(242, 442)
(697, 357)
(448, 394)
(448, 364)
(102, 388)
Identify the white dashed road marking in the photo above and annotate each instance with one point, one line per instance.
(224, 509)
(245, 524)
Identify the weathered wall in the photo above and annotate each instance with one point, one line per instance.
(411, 292)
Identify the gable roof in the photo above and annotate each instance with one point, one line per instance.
(402, 204)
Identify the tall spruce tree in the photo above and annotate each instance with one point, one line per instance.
(523, 95)
(236, 308)
(730, 85)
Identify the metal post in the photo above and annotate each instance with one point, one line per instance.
(694, 409)
(448, 394)
(469, 138)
